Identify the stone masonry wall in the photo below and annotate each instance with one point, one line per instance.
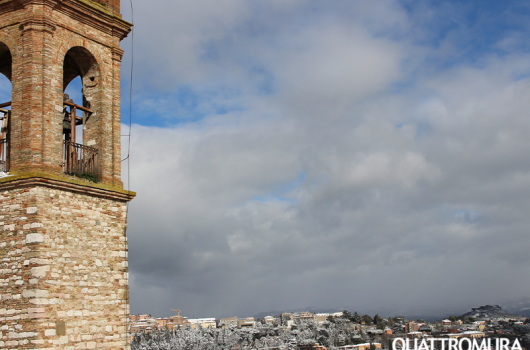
(63, 270)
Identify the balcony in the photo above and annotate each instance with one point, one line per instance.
(80, 161)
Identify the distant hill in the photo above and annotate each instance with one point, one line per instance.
(488, 312)
(433, 313)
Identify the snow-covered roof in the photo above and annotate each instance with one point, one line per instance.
(201, 320)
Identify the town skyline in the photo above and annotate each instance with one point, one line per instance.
(518, 308)
(484, 327)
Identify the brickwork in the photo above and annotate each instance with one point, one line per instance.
(63, 272)
(39, 36)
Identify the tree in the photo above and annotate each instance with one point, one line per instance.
(346, 314)
(367, 320)
(381, 324)
(377, 319)
(304, 334)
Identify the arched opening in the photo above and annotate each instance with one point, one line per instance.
(6, 62)
(80, 124)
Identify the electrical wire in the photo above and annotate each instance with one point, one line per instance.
(130, 96)
(126, 250)
(130, 107)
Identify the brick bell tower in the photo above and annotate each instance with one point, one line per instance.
(63, 248)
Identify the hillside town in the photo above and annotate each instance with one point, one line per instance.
(322, 331)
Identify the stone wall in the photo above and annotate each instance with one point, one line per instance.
(63, 272)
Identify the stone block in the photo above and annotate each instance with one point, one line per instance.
(32, 210)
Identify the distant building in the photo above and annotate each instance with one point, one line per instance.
(248, 322)
(473, 334)
(162, 322)
(412, 327)
(306, 315)
(398, 329)
(178, 322)
(143, 326)
(321, 317)
(203, 322)
(287, 319)
(270, 320)
(230, 322)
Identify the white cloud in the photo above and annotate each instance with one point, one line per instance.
(349, 171)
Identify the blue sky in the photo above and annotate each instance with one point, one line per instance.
(446, 34)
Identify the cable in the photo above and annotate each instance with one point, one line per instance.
(127, 312)
(130, 96)
(130, 108)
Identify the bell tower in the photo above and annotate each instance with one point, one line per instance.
(63, 248)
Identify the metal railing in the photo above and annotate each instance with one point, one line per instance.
(4, 156)
(81, 161)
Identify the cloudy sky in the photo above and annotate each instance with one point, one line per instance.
(338, 153)
(360, 153)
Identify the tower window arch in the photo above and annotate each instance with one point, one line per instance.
(80, 120)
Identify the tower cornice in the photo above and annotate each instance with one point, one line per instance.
(95, 15)
(42, 24)
(50, 180)
(87, 12)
